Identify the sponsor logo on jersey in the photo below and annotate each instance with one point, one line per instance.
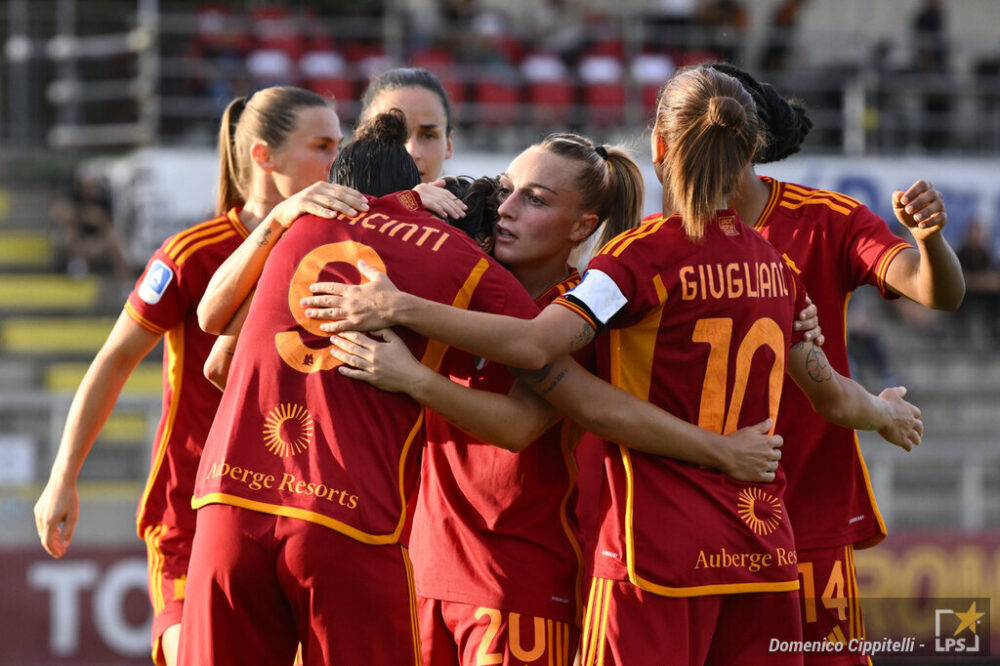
(288, 430)
(155, 283)
(759, 510)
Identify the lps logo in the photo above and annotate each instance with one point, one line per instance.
(955, 630)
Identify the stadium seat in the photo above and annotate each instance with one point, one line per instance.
(51, 292)
(25, 249)
(441, 62)
(65, 377)
(327, 73)
(602, 80)
(549, 90)
(497, 99)
(650, 71)
(54, 336)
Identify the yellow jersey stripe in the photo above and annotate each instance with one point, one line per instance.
(816, 201)
(142, 321)
(772, 201)
(195, 233)
(578, 310)
(801, 192)
(194, 247)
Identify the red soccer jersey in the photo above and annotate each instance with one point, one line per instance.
(164, 302)
(495, 528)
(702, 331)
(294, 437)
(835, 244)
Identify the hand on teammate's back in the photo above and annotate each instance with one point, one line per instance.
(364, 307)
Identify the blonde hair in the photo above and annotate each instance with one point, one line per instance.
(709, 123)
(269, 115)
(610, 182)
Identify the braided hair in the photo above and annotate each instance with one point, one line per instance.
(783, 121)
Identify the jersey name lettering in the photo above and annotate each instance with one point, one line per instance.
(733, 280)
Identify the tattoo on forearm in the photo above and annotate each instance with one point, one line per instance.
(535, 378)
(818, 366)
(585, 336)
(263, 237)
(229, 351)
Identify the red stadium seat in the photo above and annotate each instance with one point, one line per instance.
(441, 62)
(650, 71)
(327, 73)
(497, 99)
(602, 81)
(549, 90)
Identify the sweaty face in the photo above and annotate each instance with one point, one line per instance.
(309, 150)
(428, 142)
(540, 220)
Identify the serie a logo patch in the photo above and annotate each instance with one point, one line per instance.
(155, 283)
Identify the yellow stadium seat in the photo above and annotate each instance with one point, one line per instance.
(48, 291)
(64, 377)
(25, 249)
(54, 335)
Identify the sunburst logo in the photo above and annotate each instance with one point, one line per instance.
(759, 510)
(288, 430)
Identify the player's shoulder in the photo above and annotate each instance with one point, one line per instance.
(651, 229)
(219, 234)
(813, 200)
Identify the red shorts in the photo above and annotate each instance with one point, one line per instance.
(259, 584)
(831, 610)
(455, 634)
(168, 551)
(626, 625)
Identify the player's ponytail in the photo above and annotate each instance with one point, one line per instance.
(229, 190)
(709, 125)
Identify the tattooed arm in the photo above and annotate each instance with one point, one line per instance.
(844, 402)
(749, 454)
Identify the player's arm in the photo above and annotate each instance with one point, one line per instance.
(238, 274)
(217, 364)
(58, 507)
(932, 276)
(378, 304)
(750, 454)
(844, 402)
(511, 421)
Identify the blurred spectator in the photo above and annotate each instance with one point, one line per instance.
(89, 238)
(555, 26)
(724, 22)
(218, 54)
(981, 268)
(885, 120)
(781, 35)
(932, 64)
(987, 76)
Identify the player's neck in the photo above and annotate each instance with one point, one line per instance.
(537, 277)
(750, 197)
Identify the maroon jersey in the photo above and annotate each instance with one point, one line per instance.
(164, 301)
(835, 244)
(702, 331)
(294, 437)
(495, 528)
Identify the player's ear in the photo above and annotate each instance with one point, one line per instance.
(260, 153)
(583, 227)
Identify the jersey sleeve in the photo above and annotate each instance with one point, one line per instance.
(159, 301)
(871, 248)
(616, 291)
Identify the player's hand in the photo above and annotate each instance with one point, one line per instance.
(321, 199)
(386, 364)
(56, 513)
(440, 201)
(808, 322)
(905, 428)
(364, 307)
(754, 453)
(921, 209)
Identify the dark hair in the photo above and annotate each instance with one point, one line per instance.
(610, 182)
(405, 77)
(269, 115)
(783, 121)
(480, 196)
(376, 162)
(709, 124)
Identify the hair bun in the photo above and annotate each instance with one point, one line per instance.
(726, 112)
(389, 126)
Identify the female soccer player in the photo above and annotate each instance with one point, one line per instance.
(829, 498)
(302, 489)
(272, 145)
(700, 316)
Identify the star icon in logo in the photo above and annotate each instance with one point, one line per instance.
(968, 620)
